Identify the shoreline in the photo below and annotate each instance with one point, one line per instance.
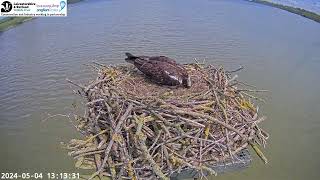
(10, 22)
(299, 11)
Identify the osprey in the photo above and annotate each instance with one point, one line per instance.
(161, 69)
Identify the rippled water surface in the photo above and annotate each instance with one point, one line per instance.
(280, 52)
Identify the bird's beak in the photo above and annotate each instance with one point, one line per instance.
(189, 82)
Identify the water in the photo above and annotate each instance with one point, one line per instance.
(280, 52)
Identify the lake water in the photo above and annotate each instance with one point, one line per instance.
(279, 50)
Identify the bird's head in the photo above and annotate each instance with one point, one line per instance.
(186, 81)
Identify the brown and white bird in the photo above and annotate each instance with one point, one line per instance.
(161, 69)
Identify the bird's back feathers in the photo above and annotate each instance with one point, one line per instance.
(161, 69)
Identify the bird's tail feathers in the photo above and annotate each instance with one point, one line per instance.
(130, 58)
(129, 55)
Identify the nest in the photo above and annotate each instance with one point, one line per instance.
(137, 129)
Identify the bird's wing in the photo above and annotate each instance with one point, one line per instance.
(141, 60)
(163, 59)
(161, 72)
(172, 76)
(150, 68)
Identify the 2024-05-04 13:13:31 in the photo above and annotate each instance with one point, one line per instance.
(51, 175)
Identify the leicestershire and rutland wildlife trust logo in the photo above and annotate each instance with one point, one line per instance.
(33, 8)
(6, 6)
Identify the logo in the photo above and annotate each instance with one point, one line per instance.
(33, 8)
(7, 6)
(62, 5)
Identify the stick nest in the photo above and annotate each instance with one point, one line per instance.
(137, 129)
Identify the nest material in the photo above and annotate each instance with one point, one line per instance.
(137, 129)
